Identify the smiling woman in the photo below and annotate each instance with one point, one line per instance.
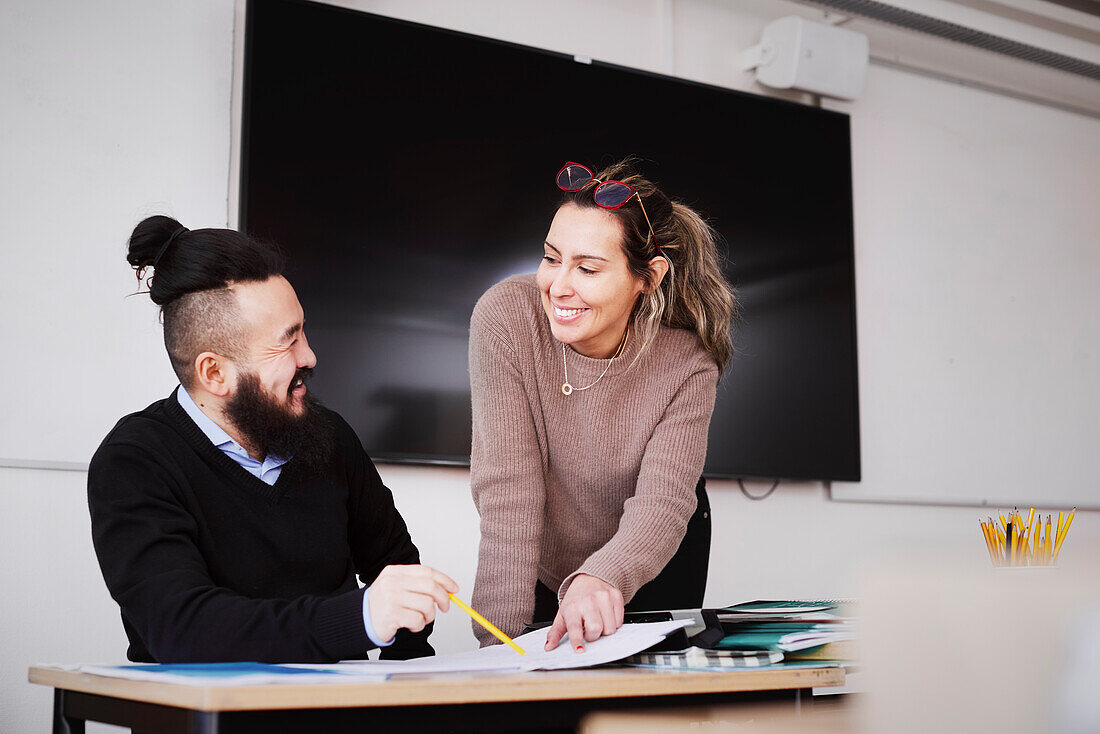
(593, 383)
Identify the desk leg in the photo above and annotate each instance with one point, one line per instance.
(204, 722)
(72, 708)
(63, 724)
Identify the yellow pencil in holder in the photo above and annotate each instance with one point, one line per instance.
(989, 543)
(1046, 541)
(1062, 536)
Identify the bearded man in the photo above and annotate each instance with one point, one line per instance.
(231, 518)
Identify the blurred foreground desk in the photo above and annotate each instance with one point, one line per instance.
(457, 702)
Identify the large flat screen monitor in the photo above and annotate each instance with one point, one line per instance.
(405, 169)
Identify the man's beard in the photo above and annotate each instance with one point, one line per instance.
(270, 427)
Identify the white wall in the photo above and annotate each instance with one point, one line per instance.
(119, 109)
(111, 112)
(976, 270)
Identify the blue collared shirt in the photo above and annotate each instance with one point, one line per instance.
(266, 471)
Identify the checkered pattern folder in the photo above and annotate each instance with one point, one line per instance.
(697, 657)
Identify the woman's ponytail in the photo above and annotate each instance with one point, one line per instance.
(698, 297)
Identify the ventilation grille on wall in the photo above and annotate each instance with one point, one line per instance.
(961, 34)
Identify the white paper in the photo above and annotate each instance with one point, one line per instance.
(819, 635)
(628, 640)
(324, 674)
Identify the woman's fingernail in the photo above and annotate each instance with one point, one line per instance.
(580, 648)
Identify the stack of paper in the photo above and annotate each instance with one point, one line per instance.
(787, 626)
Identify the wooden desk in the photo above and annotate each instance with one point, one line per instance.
(454, 702)
(828, 717)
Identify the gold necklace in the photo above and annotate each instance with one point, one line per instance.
(567, 389)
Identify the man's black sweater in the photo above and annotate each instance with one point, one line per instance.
(209, 563)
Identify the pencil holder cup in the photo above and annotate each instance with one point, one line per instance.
(1016, 543)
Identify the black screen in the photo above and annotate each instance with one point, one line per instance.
(405, 169)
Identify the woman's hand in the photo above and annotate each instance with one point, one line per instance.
(591, 608)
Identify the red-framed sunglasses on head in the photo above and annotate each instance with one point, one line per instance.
(608, 194)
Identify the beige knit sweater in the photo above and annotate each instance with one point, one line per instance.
(600, 482)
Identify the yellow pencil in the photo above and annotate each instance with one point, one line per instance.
(1069, 521)
(486, 624)
(1029, 528)
(1036, 559)
(994, 546)
(1046, 542)
(989, 541)
(1014, 518)
(993, 535)
(1062, 535)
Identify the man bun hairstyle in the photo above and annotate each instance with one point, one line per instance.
(193, 271)
(694, 294)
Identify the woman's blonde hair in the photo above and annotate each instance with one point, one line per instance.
(694, 294)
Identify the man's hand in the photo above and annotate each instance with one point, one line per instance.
(591, 608)
(405, 597)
